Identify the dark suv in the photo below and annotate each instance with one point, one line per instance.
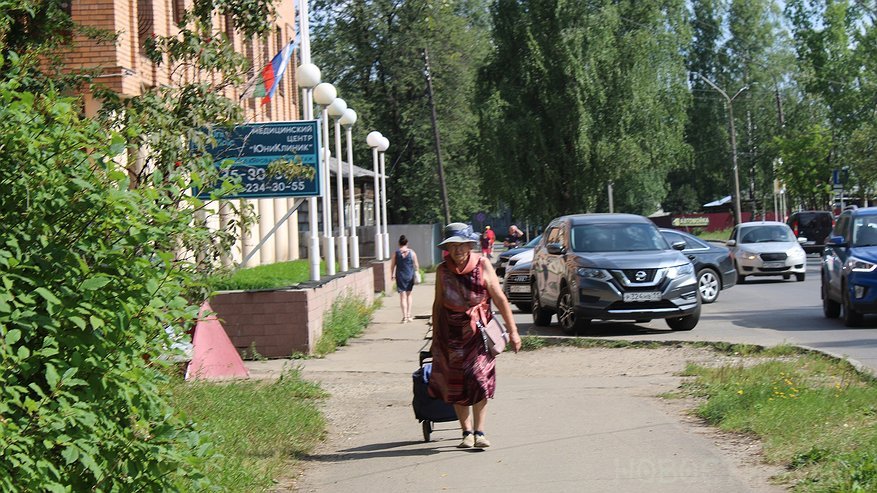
(611, 267)
(849, 267)
(813, 225)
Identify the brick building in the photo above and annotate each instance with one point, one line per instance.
(124, 68)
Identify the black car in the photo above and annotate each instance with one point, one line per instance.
(815, 226)
(712, 263)
(504, 257)
(611, 267)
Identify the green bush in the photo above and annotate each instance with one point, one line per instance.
(90, 281)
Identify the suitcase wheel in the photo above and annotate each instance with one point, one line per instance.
(427, 429)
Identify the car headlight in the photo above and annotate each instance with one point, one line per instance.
(748, 255)
(680, 271)
(596, 274)
(859, 265)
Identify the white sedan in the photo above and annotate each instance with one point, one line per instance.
(767, 248)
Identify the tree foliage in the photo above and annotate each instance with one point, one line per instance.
(371, 50)
(835, 45)
(580, 95)
(102, 257)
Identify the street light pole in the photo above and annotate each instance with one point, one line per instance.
(308, 76)
(324, 95)
(374, 140)
(385, 144)
(737, 214)
(347, 120)
(336, 110)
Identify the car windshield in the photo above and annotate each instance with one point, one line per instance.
(766, 233)
(865, 231)
(624, 237)
(535, 241)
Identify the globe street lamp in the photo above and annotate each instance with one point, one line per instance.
(308, 77)
(347, 120)
(324, 95)
(336, 109)
(382, 148)
(374, 140)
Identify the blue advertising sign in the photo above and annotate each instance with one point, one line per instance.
(276, 159)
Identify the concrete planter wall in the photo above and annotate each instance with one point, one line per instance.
(280, 323)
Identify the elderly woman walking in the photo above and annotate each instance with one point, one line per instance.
(463, 370)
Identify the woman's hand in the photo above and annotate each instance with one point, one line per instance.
(515, 340)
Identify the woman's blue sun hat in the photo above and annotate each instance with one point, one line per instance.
(458, 233)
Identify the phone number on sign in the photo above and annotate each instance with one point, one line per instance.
(279, 186)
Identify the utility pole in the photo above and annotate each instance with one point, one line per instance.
(435, 132)
(730, 101)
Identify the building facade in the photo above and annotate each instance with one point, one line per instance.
(124, 68)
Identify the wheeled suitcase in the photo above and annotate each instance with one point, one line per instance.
(427, 409)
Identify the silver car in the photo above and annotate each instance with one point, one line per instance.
(767, 248)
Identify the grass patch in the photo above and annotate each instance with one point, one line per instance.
(271, 276)
(533, 343)
(349, 317)
(258, 428)
(720, 235)
(815, 414)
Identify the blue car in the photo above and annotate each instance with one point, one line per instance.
(849, 267)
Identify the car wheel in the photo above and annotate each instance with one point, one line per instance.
(708, 285)
(830, 308)
(741, 279)
(852, 318)
(525, 307)
(687, 322)
(566, 314)
(541, 316)
(800, 277)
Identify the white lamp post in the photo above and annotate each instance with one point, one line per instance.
(374, 140)
(308, 76)
(385, 144)
(324, 94)
(347, 120)
(336, 109)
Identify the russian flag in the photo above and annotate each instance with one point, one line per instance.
(264, 84)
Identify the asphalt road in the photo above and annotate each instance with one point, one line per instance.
(765, 311)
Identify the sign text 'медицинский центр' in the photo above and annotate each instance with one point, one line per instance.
(277, 159)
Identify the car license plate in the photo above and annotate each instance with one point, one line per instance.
(519, 289)
(643, 296)
(774, 265)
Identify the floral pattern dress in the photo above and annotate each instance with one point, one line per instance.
(463, 371)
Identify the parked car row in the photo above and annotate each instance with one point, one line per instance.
(588, 267)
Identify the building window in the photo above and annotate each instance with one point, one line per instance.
(178, 7)
(229, 27)
(144, 22)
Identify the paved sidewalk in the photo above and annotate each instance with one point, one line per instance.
(557, 424)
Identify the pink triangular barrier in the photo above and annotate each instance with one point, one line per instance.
(213, 355)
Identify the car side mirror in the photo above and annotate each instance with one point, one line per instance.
(802, 239)
(838, 241)
(678, 245)
(555, 249)
(730, 243)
